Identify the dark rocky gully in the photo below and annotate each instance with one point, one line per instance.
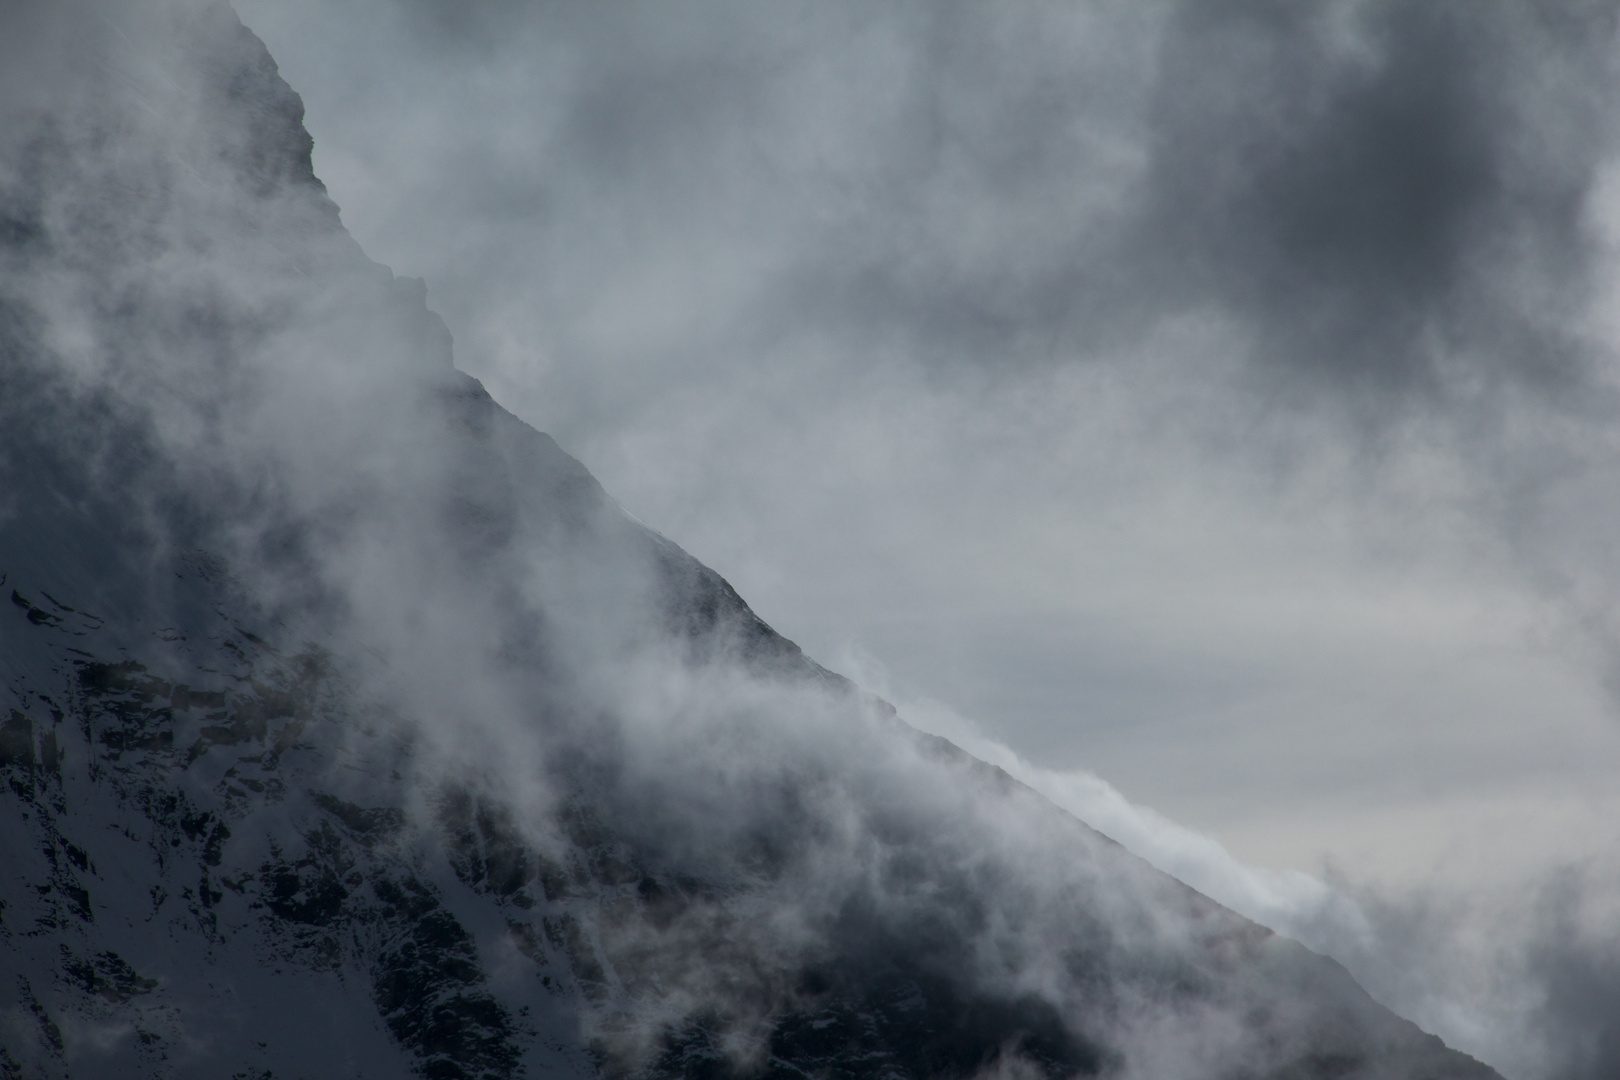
(204, 795)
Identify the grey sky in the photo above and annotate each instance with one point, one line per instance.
(1215, 396)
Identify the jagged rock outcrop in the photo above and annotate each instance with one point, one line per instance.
(348, 728)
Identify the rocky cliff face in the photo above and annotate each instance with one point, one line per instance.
(349, 728)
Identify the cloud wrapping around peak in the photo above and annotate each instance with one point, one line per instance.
(1083, 342)
(1223, 217)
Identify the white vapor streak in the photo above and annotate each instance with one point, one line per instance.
(1289, 901)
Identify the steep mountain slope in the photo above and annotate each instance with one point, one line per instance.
(351, 730)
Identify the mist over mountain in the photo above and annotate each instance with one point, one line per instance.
(352, 729)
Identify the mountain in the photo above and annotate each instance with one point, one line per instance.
(350, 729)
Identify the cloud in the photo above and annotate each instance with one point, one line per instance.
(1384, 191)
(1573, 960)
(1238, 356)
(1259, 238)
(763, 226)
(1389, 197)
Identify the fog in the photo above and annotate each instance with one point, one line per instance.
(1214, 399)
(1211, 398)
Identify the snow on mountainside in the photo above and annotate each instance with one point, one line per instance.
(351, 730)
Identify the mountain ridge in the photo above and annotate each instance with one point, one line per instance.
(353, 730)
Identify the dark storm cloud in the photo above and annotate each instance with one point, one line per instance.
(1375, 192)
(1579, 974)
(1381, 197)
(1385, 195)
(1372, 191)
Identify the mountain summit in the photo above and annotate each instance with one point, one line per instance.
(351, 730)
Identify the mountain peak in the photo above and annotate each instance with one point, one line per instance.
(351, 728)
